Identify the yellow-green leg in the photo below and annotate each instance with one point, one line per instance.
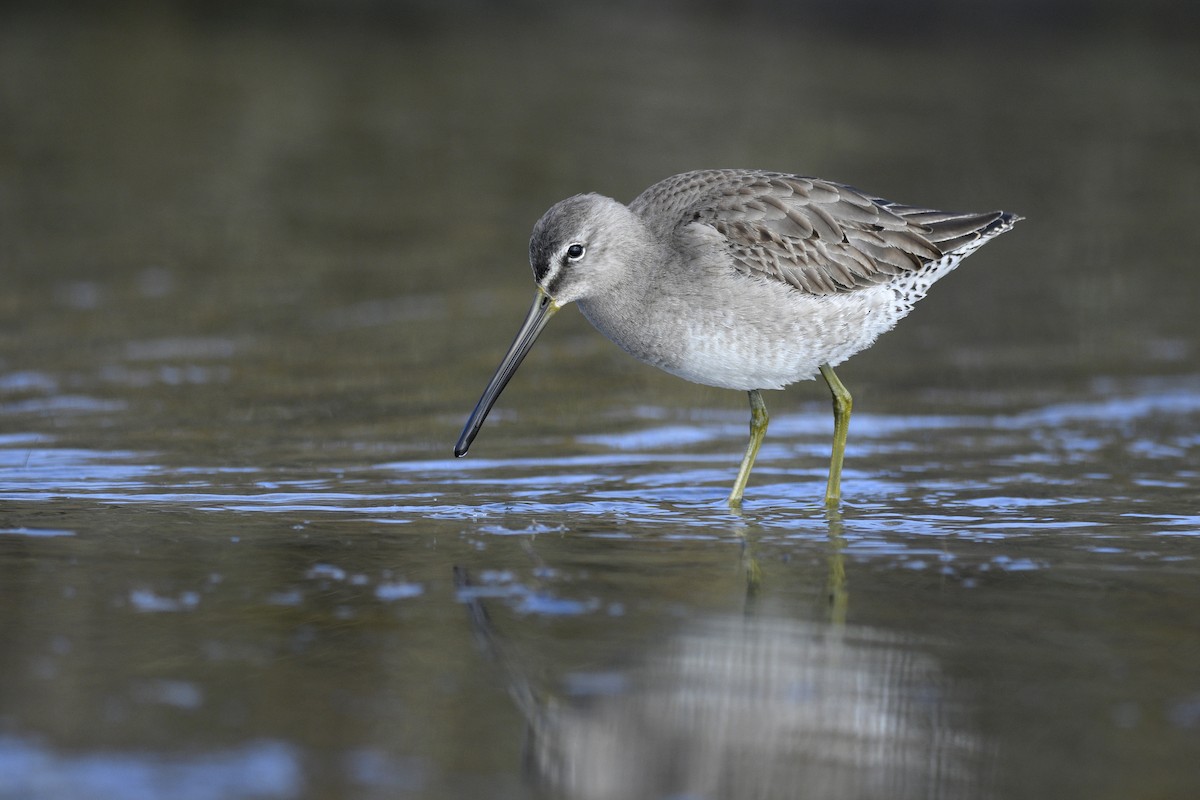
(839, 595)
(758, 429)
(841, 425)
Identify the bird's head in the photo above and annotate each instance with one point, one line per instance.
(582, 246)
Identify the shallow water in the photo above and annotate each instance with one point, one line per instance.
(258, 271)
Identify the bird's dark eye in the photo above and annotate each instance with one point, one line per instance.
(575, 252)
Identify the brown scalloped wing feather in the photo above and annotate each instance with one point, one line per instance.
(818, 236)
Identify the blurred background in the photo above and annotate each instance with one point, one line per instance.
(345, 190)
(258, 259)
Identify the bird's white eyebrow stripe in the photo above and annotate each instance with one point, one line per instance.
(553, 272)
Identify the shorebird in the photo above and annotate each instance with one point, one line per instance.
(741, 279)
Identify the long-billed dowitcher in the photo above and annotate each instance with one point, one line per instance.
(742, 279)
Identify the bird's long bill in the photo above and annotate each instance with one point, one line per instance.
(541, 312)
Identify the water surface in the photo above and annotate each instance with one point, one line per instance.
(257, 272)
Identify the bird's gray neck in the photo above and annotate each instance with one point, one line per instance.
(633, 315)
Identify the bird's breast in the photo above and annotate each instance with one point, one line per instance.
(742, 332)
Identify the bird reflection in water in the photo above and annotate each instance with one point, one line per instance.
(748, 707)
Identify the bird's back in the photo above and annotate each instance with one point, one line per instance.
(818, 236)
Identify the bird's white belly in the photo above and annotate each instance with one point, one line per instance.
(770, 345)
(744, 333)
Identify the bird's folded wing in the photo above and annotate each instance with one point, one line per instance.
(817, 236)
